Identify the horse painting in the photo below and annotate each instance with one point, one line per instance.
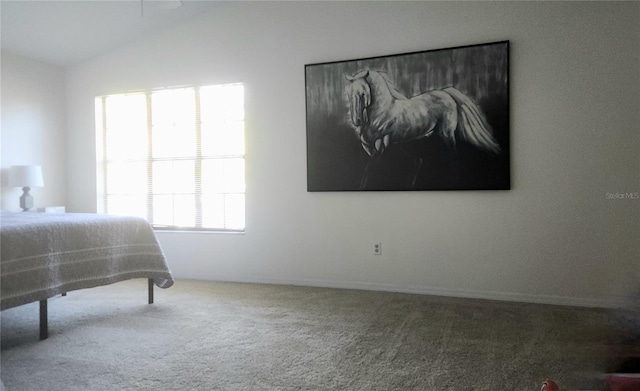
(382, 116)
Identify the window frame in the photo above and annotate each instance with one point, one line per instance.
(103, 163)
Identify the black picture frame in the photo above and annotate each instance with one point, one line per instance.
(429, 120)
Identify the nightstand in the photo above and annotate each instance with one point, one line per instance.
(51, 209)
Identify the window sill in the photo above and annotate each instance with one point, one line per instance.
(188, 231)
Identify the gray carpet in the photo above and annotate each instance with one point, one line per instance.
(225, 336)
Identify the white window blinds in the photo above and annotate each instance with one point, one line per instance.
(173, 156)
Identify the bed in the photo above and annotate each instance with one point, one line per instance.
(47, 254)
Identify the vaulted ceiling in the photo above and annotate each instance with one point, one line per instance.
(65, 33)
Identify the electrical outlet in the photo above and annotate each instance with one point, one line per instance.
(377, 248)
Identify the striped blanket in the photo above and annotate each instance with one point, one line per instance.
(45, 254)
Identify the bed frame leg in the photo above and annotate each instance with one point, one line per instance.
(44, 320)
(44, 313)
(150, 291)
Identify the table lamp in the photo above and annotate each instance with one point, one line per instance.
(26, 177)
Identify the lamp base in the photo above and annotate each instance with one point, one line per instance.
(26, 200)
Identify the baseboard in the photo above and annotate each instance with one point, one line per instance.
(459, 293)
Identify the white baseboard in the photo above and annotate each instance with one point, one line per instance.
(459, 293)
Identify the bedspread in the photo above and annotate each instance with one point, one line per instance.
(45, 254)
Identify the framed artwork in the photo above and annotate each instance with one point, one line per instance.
(430, 120)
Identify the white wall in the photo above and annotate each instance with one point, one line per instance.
(555, 237)
(33, 128)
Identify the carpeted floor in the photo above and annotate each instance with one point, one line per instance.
(226, 336)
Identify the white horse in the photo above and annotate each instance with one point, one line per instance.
(383, 116)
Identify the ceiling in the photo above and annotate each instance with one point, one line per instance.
(65, 33)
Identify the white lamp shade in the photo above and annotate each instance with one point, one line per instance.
(25, 176)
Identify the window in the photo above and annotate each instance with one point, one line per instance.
(173, 156)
